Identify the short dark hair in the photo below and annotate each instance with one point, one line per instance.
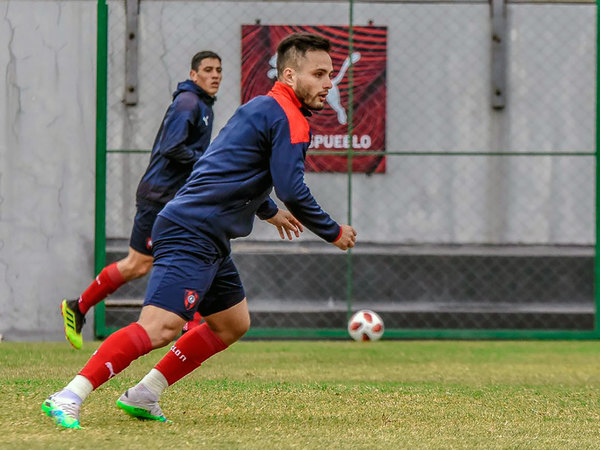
(297, 44)
(198, 57)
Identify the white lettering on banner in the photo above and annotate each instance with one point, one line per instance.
(340, 141)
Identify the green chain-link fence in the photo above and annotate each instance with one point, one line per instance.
(475, 207)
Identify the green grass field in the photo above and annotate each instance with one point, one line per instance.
(384, 395)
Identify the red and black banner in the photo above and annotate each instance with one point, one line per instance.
(330, 126)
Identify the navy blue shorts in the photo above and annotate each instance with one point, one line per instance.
(141, 233)
(189, 275)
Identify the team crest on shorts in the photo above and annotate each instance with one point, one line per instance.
(149, 243)
(191, 297)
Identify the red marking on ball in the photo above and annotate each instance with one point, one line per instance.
(368, 317)
(365, 337)
(355, 326)
(377, 328)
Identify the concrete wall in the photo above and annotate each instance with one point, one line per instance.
(47, 132)
(438, 99)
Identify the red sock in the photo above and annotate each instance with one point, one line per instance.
(195, 322)
(116, 353)
(190, 350)
(109, 280)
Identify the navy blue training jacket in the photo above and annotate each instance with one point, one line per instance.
(262, 146)
(183, 136)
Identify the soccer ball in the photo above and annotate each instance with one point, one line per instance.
(365, 325)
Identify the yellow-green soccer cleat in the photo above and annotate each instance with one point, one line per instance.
(65, 413)
(74, 321)
(139, 402)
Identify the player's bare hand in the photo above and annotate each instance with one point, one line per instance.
(285, 222)
(347, 239)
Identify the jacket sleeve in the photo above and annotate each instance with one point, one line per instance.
(267, 209)
(183, 114)
(287, 171)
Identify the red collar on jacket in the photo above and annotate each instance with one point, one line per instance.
(294, 110)
(283, 90)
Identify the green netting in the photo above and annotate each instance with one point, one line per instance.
(474, 221)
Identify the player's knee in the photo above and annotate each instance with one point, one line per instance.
(232, 331)
(144, 267)
(165, 336)
(160, 332)
(241, 328)
(135, 265)
(139, 268)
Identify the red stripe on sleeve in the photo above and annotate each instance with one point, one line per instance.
(339, 235)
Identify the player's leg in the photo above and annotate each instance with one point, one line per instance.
(136, 264)
(74, 311)
(185, 266)
(156, 327)
(230, 325)
(187, 354)
(112, 357)
(225, 311)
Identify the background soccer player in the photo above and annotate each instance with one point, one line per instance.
(183, 136)
(262, 146)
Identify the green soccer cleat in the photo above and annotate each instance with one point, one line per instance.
(141, 403)
(64, 413)
(74, 321)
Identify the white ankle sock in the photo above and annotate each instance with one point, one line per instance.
(80, 386)
(155, 382)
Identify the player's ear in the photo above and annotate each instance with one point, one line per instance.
(289, 76)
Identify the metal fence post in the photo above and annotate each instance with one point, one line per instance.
(101, 115)
(349, 271)
(597, 215)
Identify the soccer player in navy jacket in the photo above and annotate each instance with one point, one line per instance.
(262, 146)
(183, 136)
